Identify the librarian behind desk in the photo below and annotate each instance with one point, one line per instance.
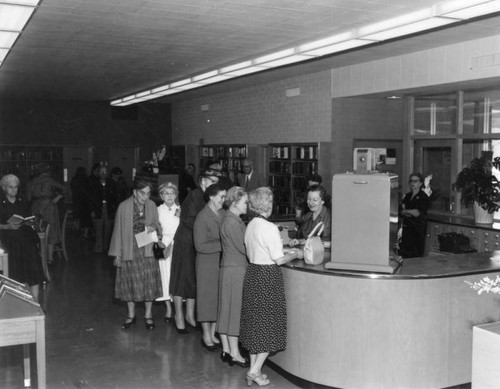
(410, 329)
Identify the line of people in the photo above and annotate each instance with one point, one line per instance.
(225, 274)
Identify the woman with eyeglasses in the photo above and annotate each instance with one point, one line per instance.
(413, 216)
(318, 213)
(168, 213)
(183, 274)
(138, 273)
(206, 233)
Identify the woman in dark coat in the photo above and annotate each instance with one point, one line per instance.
(413, 211)
(206, 233)
(183, 275)
(20, 240)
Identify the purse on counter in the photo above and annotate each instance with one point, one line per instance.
(157, 251)
(314, 251)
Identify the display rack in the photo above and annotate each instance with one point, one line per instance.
(174, 160)
(289, 166)
(23, 161)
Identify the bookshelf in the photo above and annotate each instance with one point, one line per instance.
(23, 160)
(289, 165)
(230, 157)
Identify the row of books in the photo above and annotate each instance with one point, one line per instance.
(222, 151)
(299, 152)
(279, 167)
(282, 182)
(19, 154)
(303, 168)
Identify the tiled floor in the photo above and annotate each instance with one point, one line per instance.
(86, 348)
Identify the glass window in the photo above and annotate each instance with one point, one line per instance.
(481, 112)
(435, 115)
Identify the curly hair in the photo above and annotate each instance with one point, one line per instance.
(233, 195)
(8, 178)
(261, 200)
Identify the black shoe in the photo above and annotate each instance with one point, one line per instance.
(181, 331)
(225, 357)
(210, 348)
(150, 323)
(128, 323)
(233, 361)
(167, 319)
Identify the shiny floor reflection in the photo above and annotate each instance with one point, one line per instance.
(86, 348)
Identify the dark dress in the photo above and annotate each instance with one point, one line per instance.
(413, 237)
(80, 195)
(183, 274)
(22, 245)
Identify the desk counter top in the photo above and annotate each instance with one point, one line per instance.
(432, 266)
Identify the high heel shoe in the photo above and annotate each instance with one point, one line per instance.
(208, 347)
(167, 319)
(258, 379)
(225, 357)
(150, 323)
(232, 361)
(181, 331)
(129, 322)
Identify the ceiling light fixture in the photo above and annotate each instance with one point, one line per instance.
(439, 15)
(14, 15)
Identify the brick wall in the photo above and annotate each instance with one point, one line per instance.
(262, 114)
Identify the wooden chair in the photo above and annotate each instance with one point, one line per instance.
(62, 248)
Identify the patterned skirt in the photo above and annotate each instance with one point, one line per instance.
(139, 279)
(263, 312)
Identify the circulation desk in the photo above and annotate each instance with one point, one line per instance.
(410, 329)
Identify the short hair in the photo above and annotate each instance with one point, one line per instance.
(233, 195)
(314, 177)
(419, 175)
(261, 199)
(141, 184)
(168, 185)
(320, 189)
(213, 190)
(249, 161)
(8, 178)
(116, 171)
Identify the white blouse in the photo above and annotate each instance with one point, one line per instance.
(263, 242)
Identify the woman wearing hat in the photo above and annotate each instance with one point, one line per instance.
(183, 275)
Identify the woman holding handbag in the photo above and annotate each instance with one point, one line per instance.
(168, 213)
(318, 213)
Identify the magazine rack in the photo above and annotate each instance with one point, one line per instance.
(22, 321)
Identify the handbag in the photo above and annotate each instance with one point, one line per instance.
(157, 251)
(314, 251)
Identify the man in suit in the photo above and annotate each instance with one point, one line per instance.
(250, 179)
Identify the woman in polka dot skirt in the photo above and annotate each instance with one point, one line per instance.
(263, 314)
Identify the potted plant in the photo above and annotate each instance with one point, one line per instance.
(480, 188)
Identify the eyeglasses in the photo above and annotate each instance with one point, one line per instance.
(143, 193)
(417, 180)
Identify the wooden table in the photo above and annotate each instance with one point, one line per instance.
(23, 323)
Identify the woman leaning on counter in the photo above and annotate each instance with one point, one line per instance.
(318, 212)
(263, 314)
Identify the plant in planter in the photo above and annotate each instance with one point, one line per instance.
(479, 187)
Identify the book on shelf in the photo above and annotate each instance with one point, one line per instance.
(18, 219)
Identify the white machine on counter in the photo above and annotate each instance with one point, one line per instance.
(367, 159)
(364, 222)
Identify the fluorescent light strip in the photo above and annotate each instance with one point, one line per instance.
(29, 3)
(336, 48)
(14, 17)
(7, 39)
(439, 15)
(474, 11)
(422, 25)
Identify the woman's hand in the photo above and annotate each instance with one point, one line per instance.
(11, 226)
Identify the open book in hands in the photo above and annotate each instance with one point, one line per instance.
(18, 220)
